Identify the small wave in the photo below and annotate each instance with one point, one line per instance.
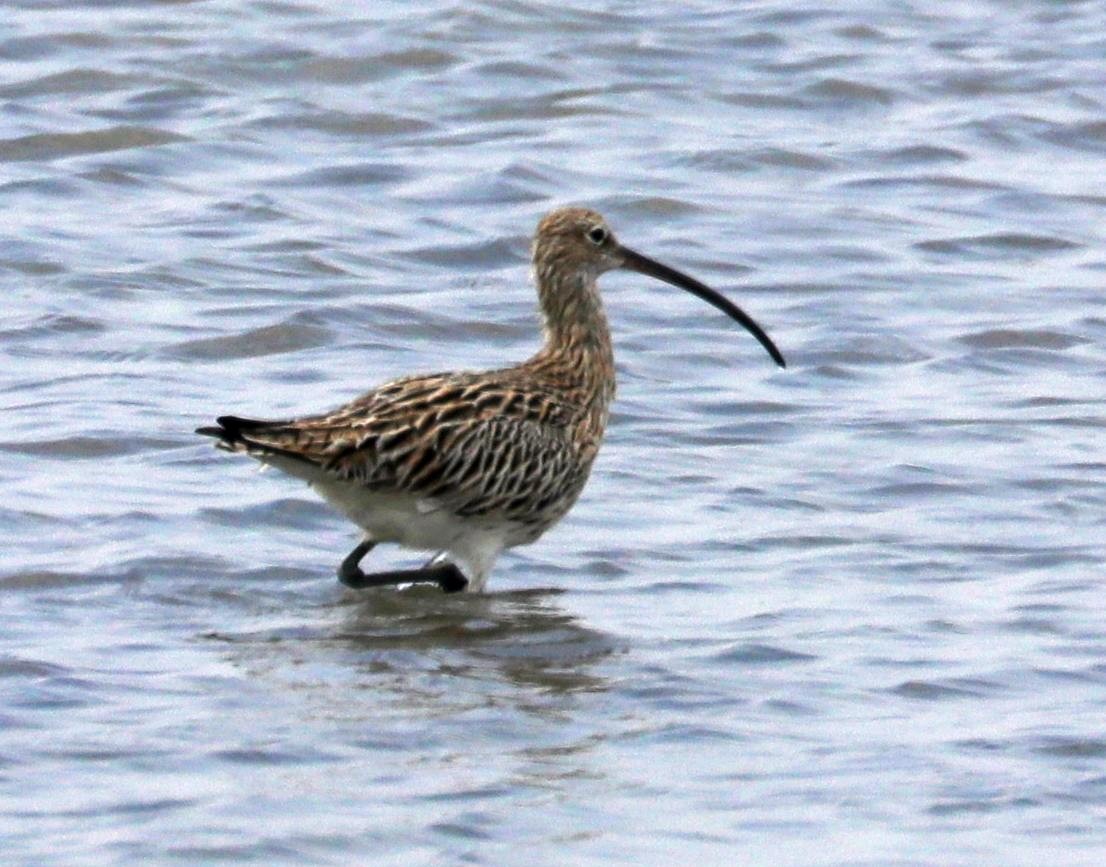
(111, 445)
(761, 654)
(51, 146)
(1000, 241)
(1015, 338)
(843, 91)
(267, 340)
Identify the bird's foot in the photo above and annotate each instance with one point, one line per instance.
(446, 575)
(451, 579)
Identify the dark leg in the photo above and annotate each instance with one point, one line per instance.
(447, 576)
(349, 573)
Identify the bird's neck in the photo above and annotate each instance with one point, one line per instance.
(577, 338)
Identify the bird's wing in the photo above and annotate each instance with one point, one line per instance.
(474, 444)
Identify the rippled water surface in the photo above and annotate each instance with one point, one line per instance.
(851, 612)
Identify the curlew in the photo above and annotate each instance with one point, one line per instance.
(469, 464)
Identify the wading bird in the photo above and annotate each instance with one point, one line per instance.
(469, 464)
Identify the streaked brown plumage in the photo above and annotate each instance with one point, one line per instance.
(471, 463)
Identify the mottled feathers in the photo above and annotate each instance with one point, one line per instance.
(506, 445)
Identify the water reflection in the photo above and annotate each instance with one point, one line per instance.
(419, 647)
(522, 637)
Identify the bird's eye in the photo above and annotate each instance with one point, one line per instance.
(597, 235)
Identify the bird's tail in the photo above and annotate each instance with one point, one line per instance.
(253, 436)
(232, 432)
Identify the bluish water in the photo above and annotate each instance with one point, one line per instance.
(847, 613)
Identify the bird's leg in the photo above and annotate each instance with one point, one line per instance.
(446, 575)
(349, 573)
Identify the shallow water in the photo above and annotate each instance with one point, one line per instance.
(846, 613)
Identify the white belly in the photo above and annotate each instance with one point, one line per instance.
(416, 523)
(399, 518)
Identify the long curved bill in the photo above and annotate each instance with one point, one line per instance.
(652, 268)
